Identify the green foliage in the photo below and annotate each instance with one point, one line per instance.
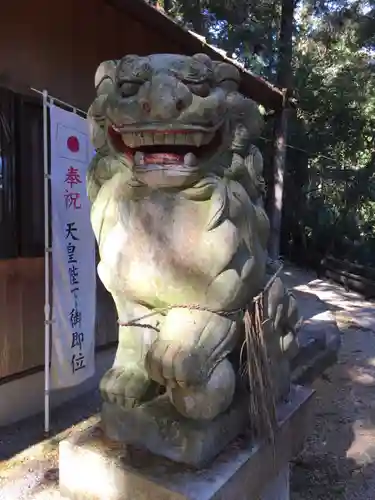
(335, 80)
(329, 192)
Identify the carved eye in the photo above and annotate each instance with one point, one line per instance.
(202, 89)
(128, 89)
(143, 72)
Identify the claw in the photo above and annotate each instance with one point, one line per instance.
(175, 366)
(124, 387)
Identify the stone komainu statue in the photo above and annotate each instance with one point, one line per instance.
(176, 189)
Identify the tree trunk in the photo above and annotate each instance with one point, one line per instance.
(193, 14)
(279, 154)
(284, 80)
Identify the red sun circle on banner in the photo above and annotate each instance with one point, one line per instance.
(73, 144)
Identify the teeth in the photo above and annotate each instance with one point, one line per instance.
(130, 140)
(160, 138)
(198, 139)
(126, 138)
(180, 139)
(207, 138)
(170, 139)
(135, 140)
(148, 139)
(141, 139)
(189, 140)
(194, 139)
(190, 160)
(139, 158)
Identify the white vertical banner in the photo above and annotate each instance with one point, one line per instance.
(73, 252)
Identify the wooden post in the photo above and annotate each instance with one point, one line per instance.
(284, 80)
(276, 202)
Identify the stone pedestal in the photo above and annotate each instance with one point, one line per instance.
(278, 489)
(94, 468)
(157, 427)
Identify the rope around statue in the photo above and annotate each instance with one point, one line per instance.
(262, 404)
(165, 309)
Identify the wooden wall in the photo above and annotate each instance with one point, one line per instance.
(56, 46)
(21, 314)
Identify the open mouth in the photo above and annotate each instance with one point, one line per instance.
(169, 148)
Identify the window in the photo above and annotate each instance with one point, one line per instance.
(8, 212)
(21, 176)
(30, 177)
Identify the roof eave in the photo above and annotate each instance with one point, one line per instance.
(252, 86)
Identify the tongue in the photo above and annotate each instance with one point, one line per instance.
(160, 158)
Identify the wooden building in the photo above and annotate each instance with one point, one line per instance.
(57, 46)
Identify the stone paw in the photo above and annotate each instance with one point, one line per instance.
(125, 387)
(209, 400)
(172, 365)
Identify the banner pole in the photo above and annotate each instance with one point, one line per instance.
(47, 253)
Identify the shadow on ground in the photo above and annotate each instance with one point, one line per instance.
(26, 433)
(338, 461)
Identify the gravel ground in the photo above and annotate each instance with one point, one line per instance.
(28, 462)
(338, 461)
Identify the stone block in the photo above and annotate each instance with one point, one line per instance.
(159, 428)
(95, 468)
(320, 341)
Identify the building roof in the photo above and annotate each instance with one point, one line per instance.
(253, 86)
